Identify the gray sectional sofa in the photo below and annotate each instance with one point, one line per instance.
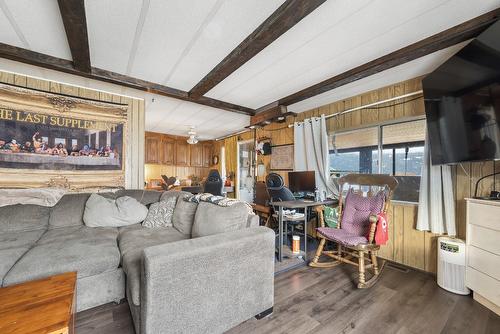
(174, 281)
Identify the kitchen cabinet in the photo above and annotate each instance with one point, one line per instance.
(207, 155)
(196, 155)
(182, 157)
(167, 151)
(152, 145)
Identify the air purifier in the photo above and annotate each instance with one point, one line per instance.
(451, 265)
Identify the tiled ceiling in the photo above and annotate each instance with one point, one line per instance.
(177, 42)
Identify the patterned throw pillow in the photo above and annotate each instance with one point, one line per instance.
(160, 213)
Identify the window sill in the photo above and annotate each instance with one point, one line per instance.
(398, 202)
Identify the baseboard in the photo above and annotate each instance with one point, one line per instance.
(486, 303)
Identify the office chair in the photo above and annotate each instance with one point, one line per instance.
(278, 192)
(213, 184)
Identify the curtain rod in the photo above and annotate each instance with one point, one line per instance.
(341, 113)
(371, 105)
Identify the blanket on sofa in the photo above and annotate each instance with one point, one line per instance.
(37, 196)
(217, 200)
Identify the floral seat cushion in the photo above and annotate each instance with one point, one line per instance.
(341, 236)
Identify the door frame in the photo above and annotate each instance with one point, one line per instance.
(237, 174)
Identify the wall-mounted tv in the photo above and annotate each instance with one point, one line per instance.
(462, 103)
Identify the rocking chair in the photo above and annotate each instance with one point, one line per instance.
(366, 195)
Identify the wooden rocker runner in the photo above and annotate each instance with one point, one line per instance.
(361, 198)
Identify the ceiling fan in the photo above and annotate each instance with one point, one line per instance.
(193, 139)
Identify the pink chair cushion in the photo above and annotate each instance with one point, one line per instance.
(341, 236)
(357, 211)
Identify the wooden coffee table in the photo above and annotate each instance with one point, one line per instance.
(45, 306)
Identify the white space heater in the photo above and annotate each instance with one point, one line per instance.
(451, 265)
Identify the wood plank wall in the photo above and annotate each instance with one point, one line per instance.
(406, 245)
(134, 139)
(154, 171)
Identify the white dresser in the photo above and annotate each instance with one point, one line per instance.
(482, 274)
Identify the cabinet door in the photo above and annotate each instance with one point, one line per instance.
(196, 155)
(207, 155)
(167, 151)
(152, 144)
(181, 153)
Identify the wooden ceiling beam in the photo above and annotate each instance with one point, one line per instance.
(284, 18)
(439, 41)
(75, 24)
(42, 60)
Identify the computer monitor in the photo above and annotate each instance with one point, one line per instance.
(302, 181)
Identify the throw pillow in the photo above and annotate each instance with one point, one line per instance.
(107, 212)
(213, 219)
(160, 214)
(184, 216)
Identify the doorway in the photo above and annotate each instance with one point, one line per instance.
(246, 173)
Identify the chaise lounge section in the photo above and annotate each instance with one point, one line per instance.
(211, 270)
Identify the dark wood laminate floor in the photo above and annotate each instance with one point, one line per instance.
(310, 300)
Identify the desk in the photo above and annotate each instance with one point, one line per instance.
(298, 204)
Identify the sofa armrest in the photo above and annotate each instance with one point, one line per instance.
(207, 284)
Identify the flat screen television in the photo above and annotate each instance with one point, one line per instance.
(302, 181)
(462, 103)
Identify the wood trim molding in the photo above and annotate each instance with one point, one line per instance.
(63, 65)
(75, 24)
(439, 41)
(285, 17)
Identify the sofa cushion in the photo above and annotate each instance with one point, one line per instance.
(184, 215)
(145, 197)
(8, 257)
(19, 239)
(213, 219)
(173, 193)
(105, 212)
(75, 233)
(132, 242)
(23, 217)
(160, 213)
(89, 251)
(68, 211)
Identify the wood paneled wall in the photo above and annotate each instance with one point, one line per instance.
(154, 171)
(134, 139)
(407, 246)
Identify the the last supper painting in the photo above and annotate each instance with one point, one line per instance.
(40, 130)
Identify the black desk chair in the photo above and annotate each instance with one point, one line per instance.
(213, 184)
(278, 192)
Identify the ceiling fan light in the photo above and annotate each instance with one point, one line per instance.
(192, 140)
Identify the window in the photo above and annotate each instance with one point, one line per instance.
(395, 149)
(355, 152)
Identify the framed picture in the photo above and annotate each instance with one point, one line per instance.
(45, 131)
(282, 157)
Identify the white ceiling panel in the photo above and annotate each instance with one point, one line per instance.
(7, 33)
(350, 36)
(231, 22)
(171, 116)
(40, 24)
(111, 28)
(168, 28)
(410, 70)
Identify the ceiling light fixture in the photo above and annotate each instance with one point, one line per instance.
(193, 139)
